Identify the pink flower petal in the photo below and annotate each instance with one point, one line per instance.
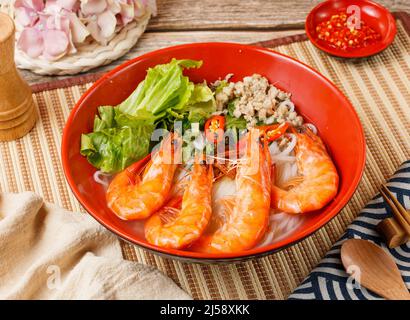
(95, 31)
(36, 5)
(79, 31)
(127, 13)
(55, 44)
(49, 21)
(52, 7)
(26, 16)
(31, 42)
(114, 6)
(67, 4)
(91, 7)
(107, 23)
(65, 25)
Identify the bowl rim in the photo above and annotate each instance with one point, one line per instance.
(351, 54)
(220, 257)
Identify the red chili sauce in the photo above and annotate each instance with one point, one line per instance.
(340, 33)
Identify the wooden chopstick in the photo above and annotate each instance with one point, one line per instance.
(403, 211)
(399, 212)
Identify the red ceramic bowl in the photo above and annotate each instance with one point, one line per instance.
(316, 98)
(373, 14)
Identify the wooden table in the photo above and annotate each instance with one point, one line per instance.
(246, 21)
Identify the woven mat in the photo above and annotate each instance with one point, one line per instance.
(378, 87)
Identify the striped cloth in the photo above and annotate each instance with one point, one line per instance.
(329, 281)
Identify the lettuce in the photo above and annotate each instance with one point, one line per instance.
(201, 105)
(122, 134)
(164, 91)
(114, 149)
(117, 141)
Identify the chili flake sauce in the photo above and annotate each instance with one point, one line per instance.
(339, 33)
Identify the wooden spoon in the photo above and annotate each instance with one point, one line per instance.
(378, 271)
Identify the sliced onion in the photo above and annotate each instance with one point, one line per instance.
(291, 145)
(312, 127)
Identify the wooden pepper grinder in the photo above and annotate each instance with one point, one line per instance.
(17, 110)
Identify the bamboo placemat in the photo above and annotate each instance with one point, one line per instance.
(378, 87)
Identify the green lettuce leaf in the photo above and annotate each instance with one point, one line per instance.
(113, 149)
(201, 105)
(106, 118)
(165, 90)
(121, 134)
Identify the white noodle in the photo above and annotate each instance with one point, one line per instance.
(102, 178)
(282, 225)
(267, 239)
(280, 158)
(274, 148)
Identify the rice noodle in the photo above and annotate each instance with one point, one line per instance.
(281, 225)
(267, 239)
(284, 160)
(284, 172)
(274, 148)
(102, 178)
(280, 158)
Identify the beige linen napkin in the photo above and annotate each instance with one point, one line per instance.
(49, 253)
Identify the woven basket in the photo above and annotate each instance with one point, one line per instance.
(88, 56)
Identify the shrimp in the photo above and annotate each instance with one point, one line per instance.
(173, 228)
(318, 182)
(133, 198)
(248, 212)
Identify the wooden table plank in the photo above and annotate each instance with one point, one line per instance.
(240, 15)
(156, 40)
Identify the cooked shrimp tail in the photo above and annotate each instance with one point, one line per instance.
(318, 181)
(178, 228)
(133, 197)
(247, 217)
